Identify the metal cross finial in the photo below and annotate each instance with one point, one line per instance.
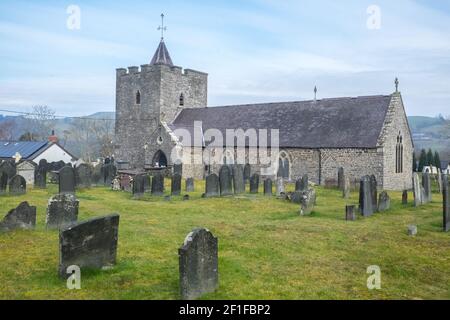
(396, 84)
(315, 93)
(162, 27)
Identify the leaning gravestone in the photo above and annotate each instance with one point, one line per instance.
(176, 185)
(40, 174)
(22, 217)
(307, 202)
(254, 183)
(17, 185)
(62, 210)
(225, 181)
(212, 185)
(341, 178)
(446, 203)
(417, 189)
(3, 182)
(190, 185)
(374, 192)
(346, 188)
(138, 185)
(198, 264)
(89, 244)
(365, 197)
(384, 202)
(83, 176)
(158, 184)
(238, 179)
(279, 186)
(66, 178)
(405, 197)
(247, 172)
(268, 187)
(350, 213)
(426, 183)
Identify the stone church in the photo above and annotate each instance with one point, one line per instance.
(364, 135)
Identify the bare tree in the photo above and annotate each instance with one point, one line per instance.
(41, 121)
(6, 130)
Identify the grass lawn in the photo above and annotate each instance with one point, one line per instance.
(266, 250)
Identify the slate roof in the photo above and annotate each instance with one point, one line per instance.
(162, 55)
(326, 123)
(26, 149)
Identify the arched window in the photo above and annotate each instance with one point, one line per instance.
(138, 97)
(399, 154)
(159, 160)
(181, 100)
(283, 166)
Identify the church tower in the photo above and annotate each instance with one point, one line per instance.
(150, 97)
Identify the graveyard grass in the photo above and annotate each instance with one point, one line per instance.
(266, 250)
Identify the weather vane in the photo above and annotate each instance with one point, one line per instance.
(162, 27)
(396, 84)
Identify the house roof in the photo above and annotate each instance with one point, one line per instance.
(326, 123)
(162, 55)
(26, 149)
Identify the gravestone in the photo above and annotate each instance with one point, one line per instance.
(426, 183)
(225, 181)
(350, 213)
(185, 197)
(83, 176)
(40, 174)
(405, 197)
(109, 172)
(97, 176)
(238, 179)
(198, 264)
(62, 210)
(115, 186)
(3, 182)
(439, 180)
(384, 202)
(158, 185)
(247, 172)
(17, 185)
(138, 185)
(178, 169)
(341, 178)
(268, 187)
(307, 202)
(346, 188)
(190, 185)
(22, 217)
(125, 183)
(254, 183)
(89, 244)
(147, 183)
(279, 186)
(446, 203)
(374, 192)
(296, 197)
(302, 183)
(212, 185)
(412, 230)
(176, 185)
(417, 190)
(365, 197)
(8, 168)
(66, 178)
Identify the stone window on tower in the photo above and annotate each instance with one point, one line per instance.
(181, 100)
(399, 154)
(138, 97)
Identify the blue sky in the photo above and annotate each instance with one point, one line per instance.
(254, 51)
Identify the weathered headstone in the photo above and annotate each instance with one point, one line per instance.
(417, 190)
(446, 203)
(83, 176)
(125, 183)
(268, 187)
(22, 217)
(62, 210)
(158, 185)
(17, 185)
(247, 172)
(178, 169)
(302, 183)
(138, 185)
(254, 183)
(426, 183)
(374, 192)
(3, 182)
(66, 178)
(365, 197)
(296, 197)
(350, 213)
(279, 186)
(190, 185)
(341, 178)
(109, 172)
(185, 197)
(8, 168)
(384, 202)
(89, 244)
(412, 230)
(198, 259)
(115, 185)
(346, 188)
(238, 179)
(225, 181)
(308, 201)
(405, 197)
(40, 174)
(176, 185)
(212, 185)
(97, 176)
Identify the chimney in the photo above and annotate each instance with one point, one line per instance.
(53, 138)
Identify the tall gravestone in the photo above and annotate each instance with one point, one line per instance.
(97, 175)
(198, 264)
(279, 186)
(212, 185)
(365, 197)
(17, 185)
(225, 181)
(89, 244)
(176, 184)
(346, 188)
(83, 176)
(417, 190)
(40, 174)
(426, 184)
(190, 185)
(158, 184)
(254, 183)
(138, 185)
(341, 178)
(62, 210)
(66, 178)
(22, 217)
(247, 172)
(446, 203)
(268, 187)
(109, 172)
(405, 197)
(238, 179)
(374, 192)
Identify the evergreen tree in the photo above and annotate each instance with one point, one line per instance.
(437, 160)
(422, 160)
(430, 158)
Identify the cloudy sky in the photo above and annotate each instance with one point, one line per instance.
(254, 50)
